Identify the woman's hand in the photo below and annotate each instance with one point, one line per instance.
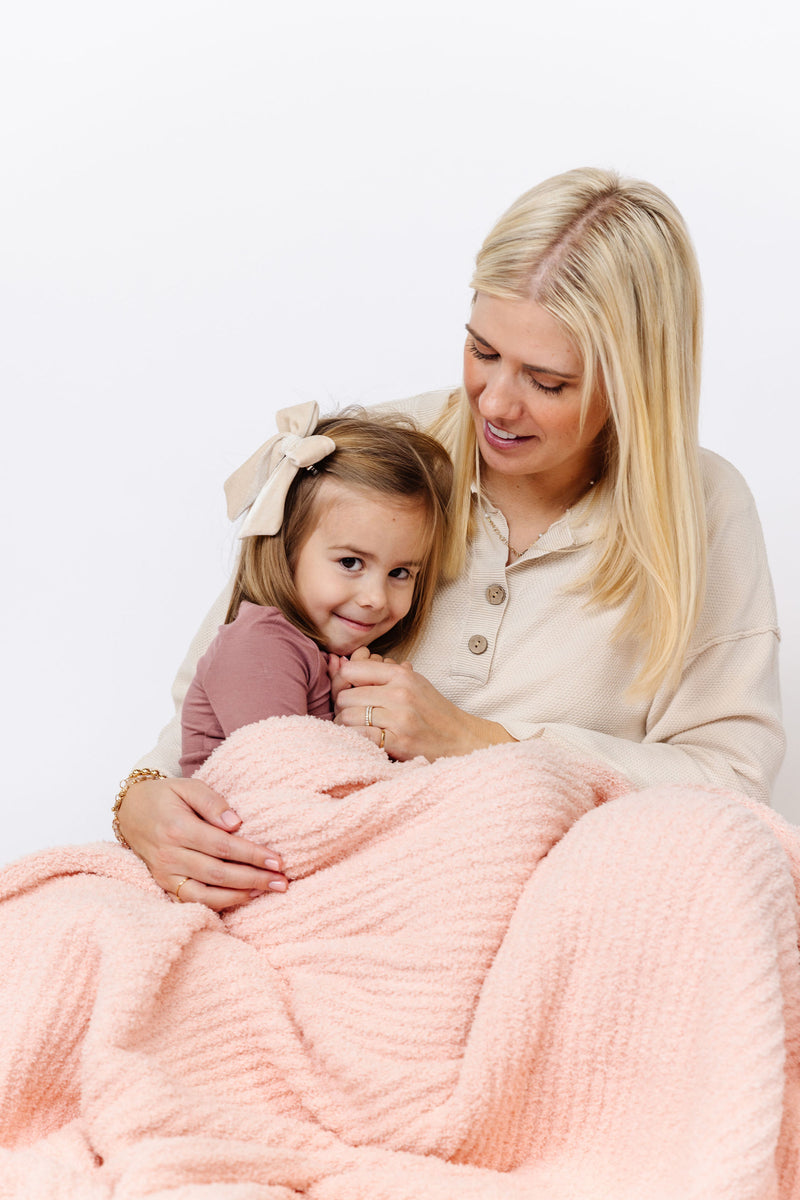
(182, 829)
(416, 718)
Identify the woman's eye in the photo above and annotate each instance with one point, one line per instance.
(483, 356)
(476, 353)
(541, 387)
(351, 564)
(400, 573)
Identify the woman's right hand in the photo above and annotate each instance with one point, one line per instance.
(182, 829)
(409, 717)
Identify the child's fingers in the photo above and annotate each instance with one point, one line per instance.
(334, 665)
(362, 654)
(372, 672)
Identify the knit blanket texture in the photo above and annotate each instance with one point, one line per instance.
(498, 977)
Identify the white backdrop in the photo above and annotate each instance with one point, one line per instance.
(210, 210)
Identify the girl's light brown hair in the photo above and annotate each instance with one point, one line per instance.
(384, 455)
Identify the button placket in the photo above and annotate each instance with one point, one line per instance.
(482, 610)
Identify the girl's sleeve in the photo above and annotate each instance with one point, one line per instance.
(260, 667)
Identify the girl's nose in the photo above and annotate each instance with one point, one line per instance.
(372, 593)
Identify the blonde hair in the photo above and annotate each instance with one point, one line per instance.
(611, 259)
(383, 455)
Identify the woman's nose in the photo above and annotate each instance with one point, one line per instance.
(500, 397)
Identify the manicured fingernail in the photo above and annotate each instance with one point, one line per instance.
(229, 818)
(272, 864)
(278, 885)
(255, 895)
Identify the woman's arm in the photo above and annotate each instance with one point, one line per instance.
(180, 828)
(553, 669)
(720, 727)
(416, 718)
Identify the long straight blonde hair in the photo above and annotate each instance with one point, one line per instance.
(611, 259)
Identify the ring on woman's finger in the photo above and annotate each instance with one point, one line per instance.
(178, 888)
(368, 715)
(382, 742)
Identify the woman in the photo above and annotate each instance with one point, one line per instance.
(608, 582)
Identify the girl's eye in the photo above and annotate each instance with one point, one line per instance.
(351, 564)
(400, 573)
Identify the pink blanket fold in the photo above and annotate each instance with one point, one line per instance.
(502, 975)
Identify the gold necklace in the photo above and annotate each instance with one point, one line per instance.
(514, 553)
(519, 553)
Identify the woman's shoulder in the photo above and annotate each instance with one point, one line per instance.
(740, 597)
(721, 476)
(727, 494)
(423, 408)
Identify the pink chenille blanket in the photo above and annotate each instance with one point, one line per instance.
(499, 977)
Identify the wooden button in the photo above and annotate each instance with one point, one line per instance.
(477, 643)
(495, 593)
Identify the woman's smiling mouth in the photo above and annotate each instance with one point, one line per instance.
(494, 435)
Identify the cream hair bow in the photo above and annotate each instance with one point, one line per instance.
(262, 482)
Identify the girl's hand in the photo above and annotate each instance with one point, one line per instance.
(181, 829)
(416, 718)
(335, 661)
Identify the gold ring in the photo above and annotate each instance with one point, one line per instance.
(178, 888)
(383, 739)
(368, 715)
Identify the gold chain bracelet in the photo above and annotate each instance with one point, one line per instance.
(135, 776)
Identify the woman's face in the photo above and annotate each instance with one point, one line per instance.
(523, 376)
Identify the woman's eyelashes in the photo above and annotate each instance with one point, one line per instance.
(484, 357)
(551, 391)
(476, 353)
(351, 564)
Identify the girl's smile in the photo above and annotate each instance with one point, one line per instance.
(355, 574)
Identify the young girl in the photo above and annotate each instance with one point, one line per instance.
(341, 549)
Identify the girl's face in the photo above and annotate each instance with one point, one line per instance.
(523, 376)
(355, 573)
